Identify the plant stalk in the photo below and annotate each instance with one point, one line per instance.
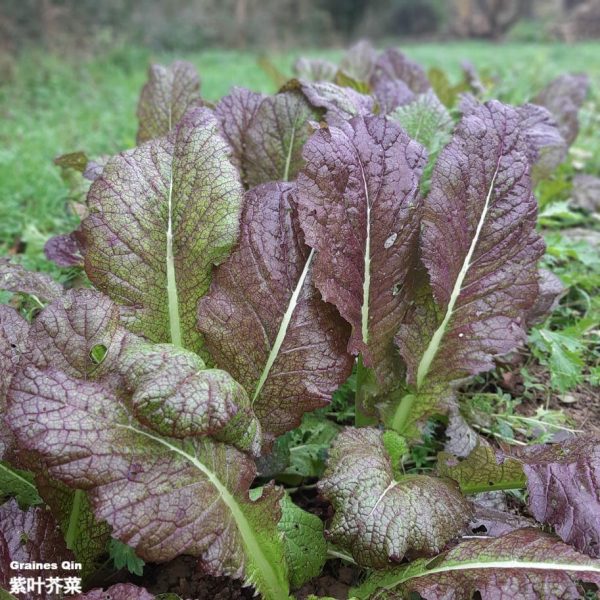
(361, 418)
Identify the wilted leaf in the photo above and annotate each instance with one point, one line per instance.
(165, 98)
(73, 160)
(461, 438)
(161, 216)
(357, 202)
(522, 564)
(378, 518)
(550, 291)
(162, 496)
(586, 192)
(264, 321)
(304, 542)
(275, 138)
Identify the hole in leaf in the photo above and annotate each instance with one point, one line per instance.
(98, 353)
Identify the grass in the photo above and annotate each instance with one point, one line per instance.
(51, 105)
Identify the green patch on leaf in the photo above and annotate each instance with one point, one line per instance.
(304, 543)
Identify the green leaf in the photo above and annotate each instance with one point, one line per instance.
(84, 535)
(20, 484)
(125, 556)
(396, 446)
(304, 543)
(425, 120)
(309, 444)
(561, 351)
(481, 471)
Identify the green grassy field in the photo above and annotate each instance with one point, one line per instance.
(50, 106)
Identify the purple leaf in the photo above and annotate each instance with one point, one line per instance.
(67, 332)
(525, 563)
(393, 65)
(14, 278)
(563, 97)
(173, 393)
(161, 216)
(358, 202)
(166, 97)
(340, 103)
(264, 321)
(564, 490)
(162, 496)
(494, 523)
(378, 519)
(26, 537)
(64, 250)
(480, 249)
(547, 148)
(275, 138)
(235, 113)
(120, 591)
(392, 93)
(13, 343)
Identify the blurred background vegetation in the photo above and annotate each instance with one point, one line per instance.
(188, 25)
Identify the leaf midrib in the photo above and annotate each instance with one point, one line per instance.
(283, 328)
(435, 342)
(172, 293)
(497, 564)
(252, 545)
